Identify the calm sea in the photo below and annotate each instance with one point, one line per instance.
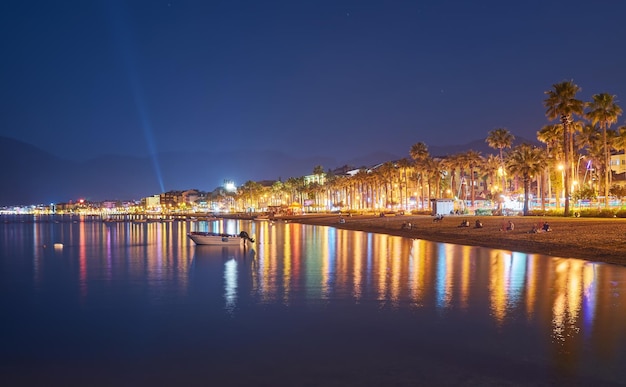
(86, 303)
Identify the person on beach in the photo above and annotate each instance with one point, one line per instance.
(478, 224)
(546, 227)
(510, 226)
(534, 230)
(464, 223)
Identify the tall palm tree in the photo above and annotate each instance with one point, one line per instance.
(526, 161)
(552, 136)
(473, 160)
(463, 164)
(318, 170)
(561, 103)
(386, 173)
(604, 111)
(452, 163)
(404, 165)
(419, 153)
(489, 170)
(435, 169)
(500, 139)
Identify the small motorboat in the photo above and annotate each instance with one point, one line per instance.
(214, 238)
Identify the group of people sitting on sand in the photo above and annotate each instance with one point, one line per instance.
(466, 223)
(544, 228)
(510, 226)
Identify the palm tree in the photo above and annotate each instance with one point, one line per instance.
(620, 140)
(452, 163)
(435, 169)
(296, 187)
(489, 170)
(386, 173)
(419, 153)
(473, 160)
(561, 103)
(318, 170)
(499, 139)
(462, 164)
(552, 136)
(249, 193)
(404, 165)
(526, 161)
(604, 111)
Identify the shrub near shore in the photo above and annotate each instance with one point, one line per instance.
(592, 239)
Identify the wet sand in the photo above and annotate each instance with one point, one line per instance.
(593, 239)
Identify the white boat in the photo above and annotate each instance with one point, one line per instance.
(214, 238)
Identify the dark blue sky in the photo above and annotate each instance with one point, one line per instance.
(81, 78)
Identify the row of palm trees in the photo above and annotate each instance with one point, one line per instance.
(590, 134)
(581, 128)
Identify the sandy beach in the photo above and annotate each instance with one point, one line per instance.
(593, 239)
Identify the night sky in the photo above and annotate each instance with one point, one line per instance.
(80, 78)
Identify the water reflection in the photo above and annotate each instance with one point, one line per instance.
(572, 311)
(102, 254)
(324, 264)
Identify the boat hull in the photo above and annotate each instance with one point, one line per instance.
(215, 239)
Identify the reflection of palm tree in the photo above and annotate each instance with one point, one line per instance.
(561, 103)
(604, 111)
(526, 161)
(500, 139)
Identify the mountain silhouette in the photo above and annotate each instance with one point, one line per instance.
(31, 175)
(34, 176)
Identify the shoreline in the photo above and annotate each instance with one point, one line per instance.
(591, 239)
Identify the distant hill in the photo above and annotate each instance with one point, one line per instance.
(30, 175)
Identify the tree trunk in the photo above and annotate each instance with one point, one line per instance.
(566, 144)
(606, 167)
(526, 187)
